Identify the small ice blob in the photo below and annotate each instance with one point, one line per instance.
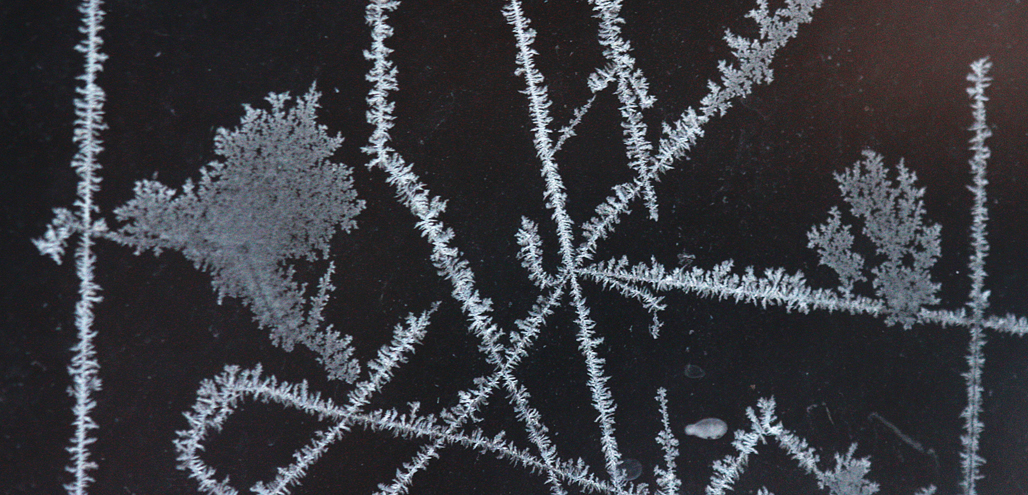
(631, 468)
(707, 429)
(694, 372)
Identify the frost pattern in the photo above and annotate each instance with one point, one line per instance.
(275, 196)
(846, 478)
(85, 221)
(894, 220)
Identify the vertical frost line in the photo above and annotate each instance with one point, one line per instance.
(84, 366)
(556, 199)
(632, 92)
(89, 123)
(979, 298)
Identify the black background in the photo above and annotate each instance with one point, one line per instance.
(889, 76)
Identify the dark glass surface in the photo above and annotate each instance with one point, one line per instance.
(885, 76)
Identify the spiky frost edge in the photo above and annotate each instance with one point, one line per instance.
(847, 478)
(89, 122)
(632, 92)
(668, 482)
(978, 298)
(555, 197)
(774, 288)
(447, 259)
(219, 397)
(754, 57)
(390, 357)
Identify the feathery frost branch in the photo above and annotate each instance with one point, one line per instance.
(633, 93)
(846, 478)
(754, 58)
(556, 198)
(389, 358)
(979, 298)
(774, 288)
(220, 397)
(667, 477)
(89, 123)
(446, 258)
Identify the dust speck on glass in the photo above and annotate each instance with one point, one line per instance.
(450, 223)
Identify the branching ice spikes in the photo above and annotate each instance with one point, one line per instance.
(89, 122)
(728, 470)
(531, 254)
(632, 92)
(218, 398)
(383, 76)
(334, 351)
(1016, 325)
(754, 58)
(472, 401)
(588, 344)
(667, 477)
(846, 479)
(979, 298)
(754, 64)
(412, 192)
(568, 131)
(609, 278)
(538, 105)
(446, 258)
(390, 357)
(573, 473)
(773, 288)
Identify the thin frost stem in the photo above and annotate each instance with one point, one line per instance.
(971, 460)
(446, 258)
(556, 200)
(632, 92)
(979, 162)
(84, 367)
(754, 61)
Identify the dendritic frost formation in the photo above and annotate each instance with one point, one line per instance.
(275, 197)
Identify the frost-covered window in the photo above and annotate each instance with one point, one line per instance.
(598, 246)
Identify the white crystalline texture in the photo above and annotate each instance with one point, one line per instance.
(894, 218)
(274, 196)
(707, 429)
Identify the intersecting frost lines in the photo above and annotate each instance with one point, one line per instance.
(89, 123)
(505, 349)
(276, 167)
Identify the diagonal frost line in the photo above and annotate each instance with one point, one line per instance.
(755, 57)
(631, 92)
(576, 118)
(413, 194)
(538, 104)
(219, 397)
(389, 358)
